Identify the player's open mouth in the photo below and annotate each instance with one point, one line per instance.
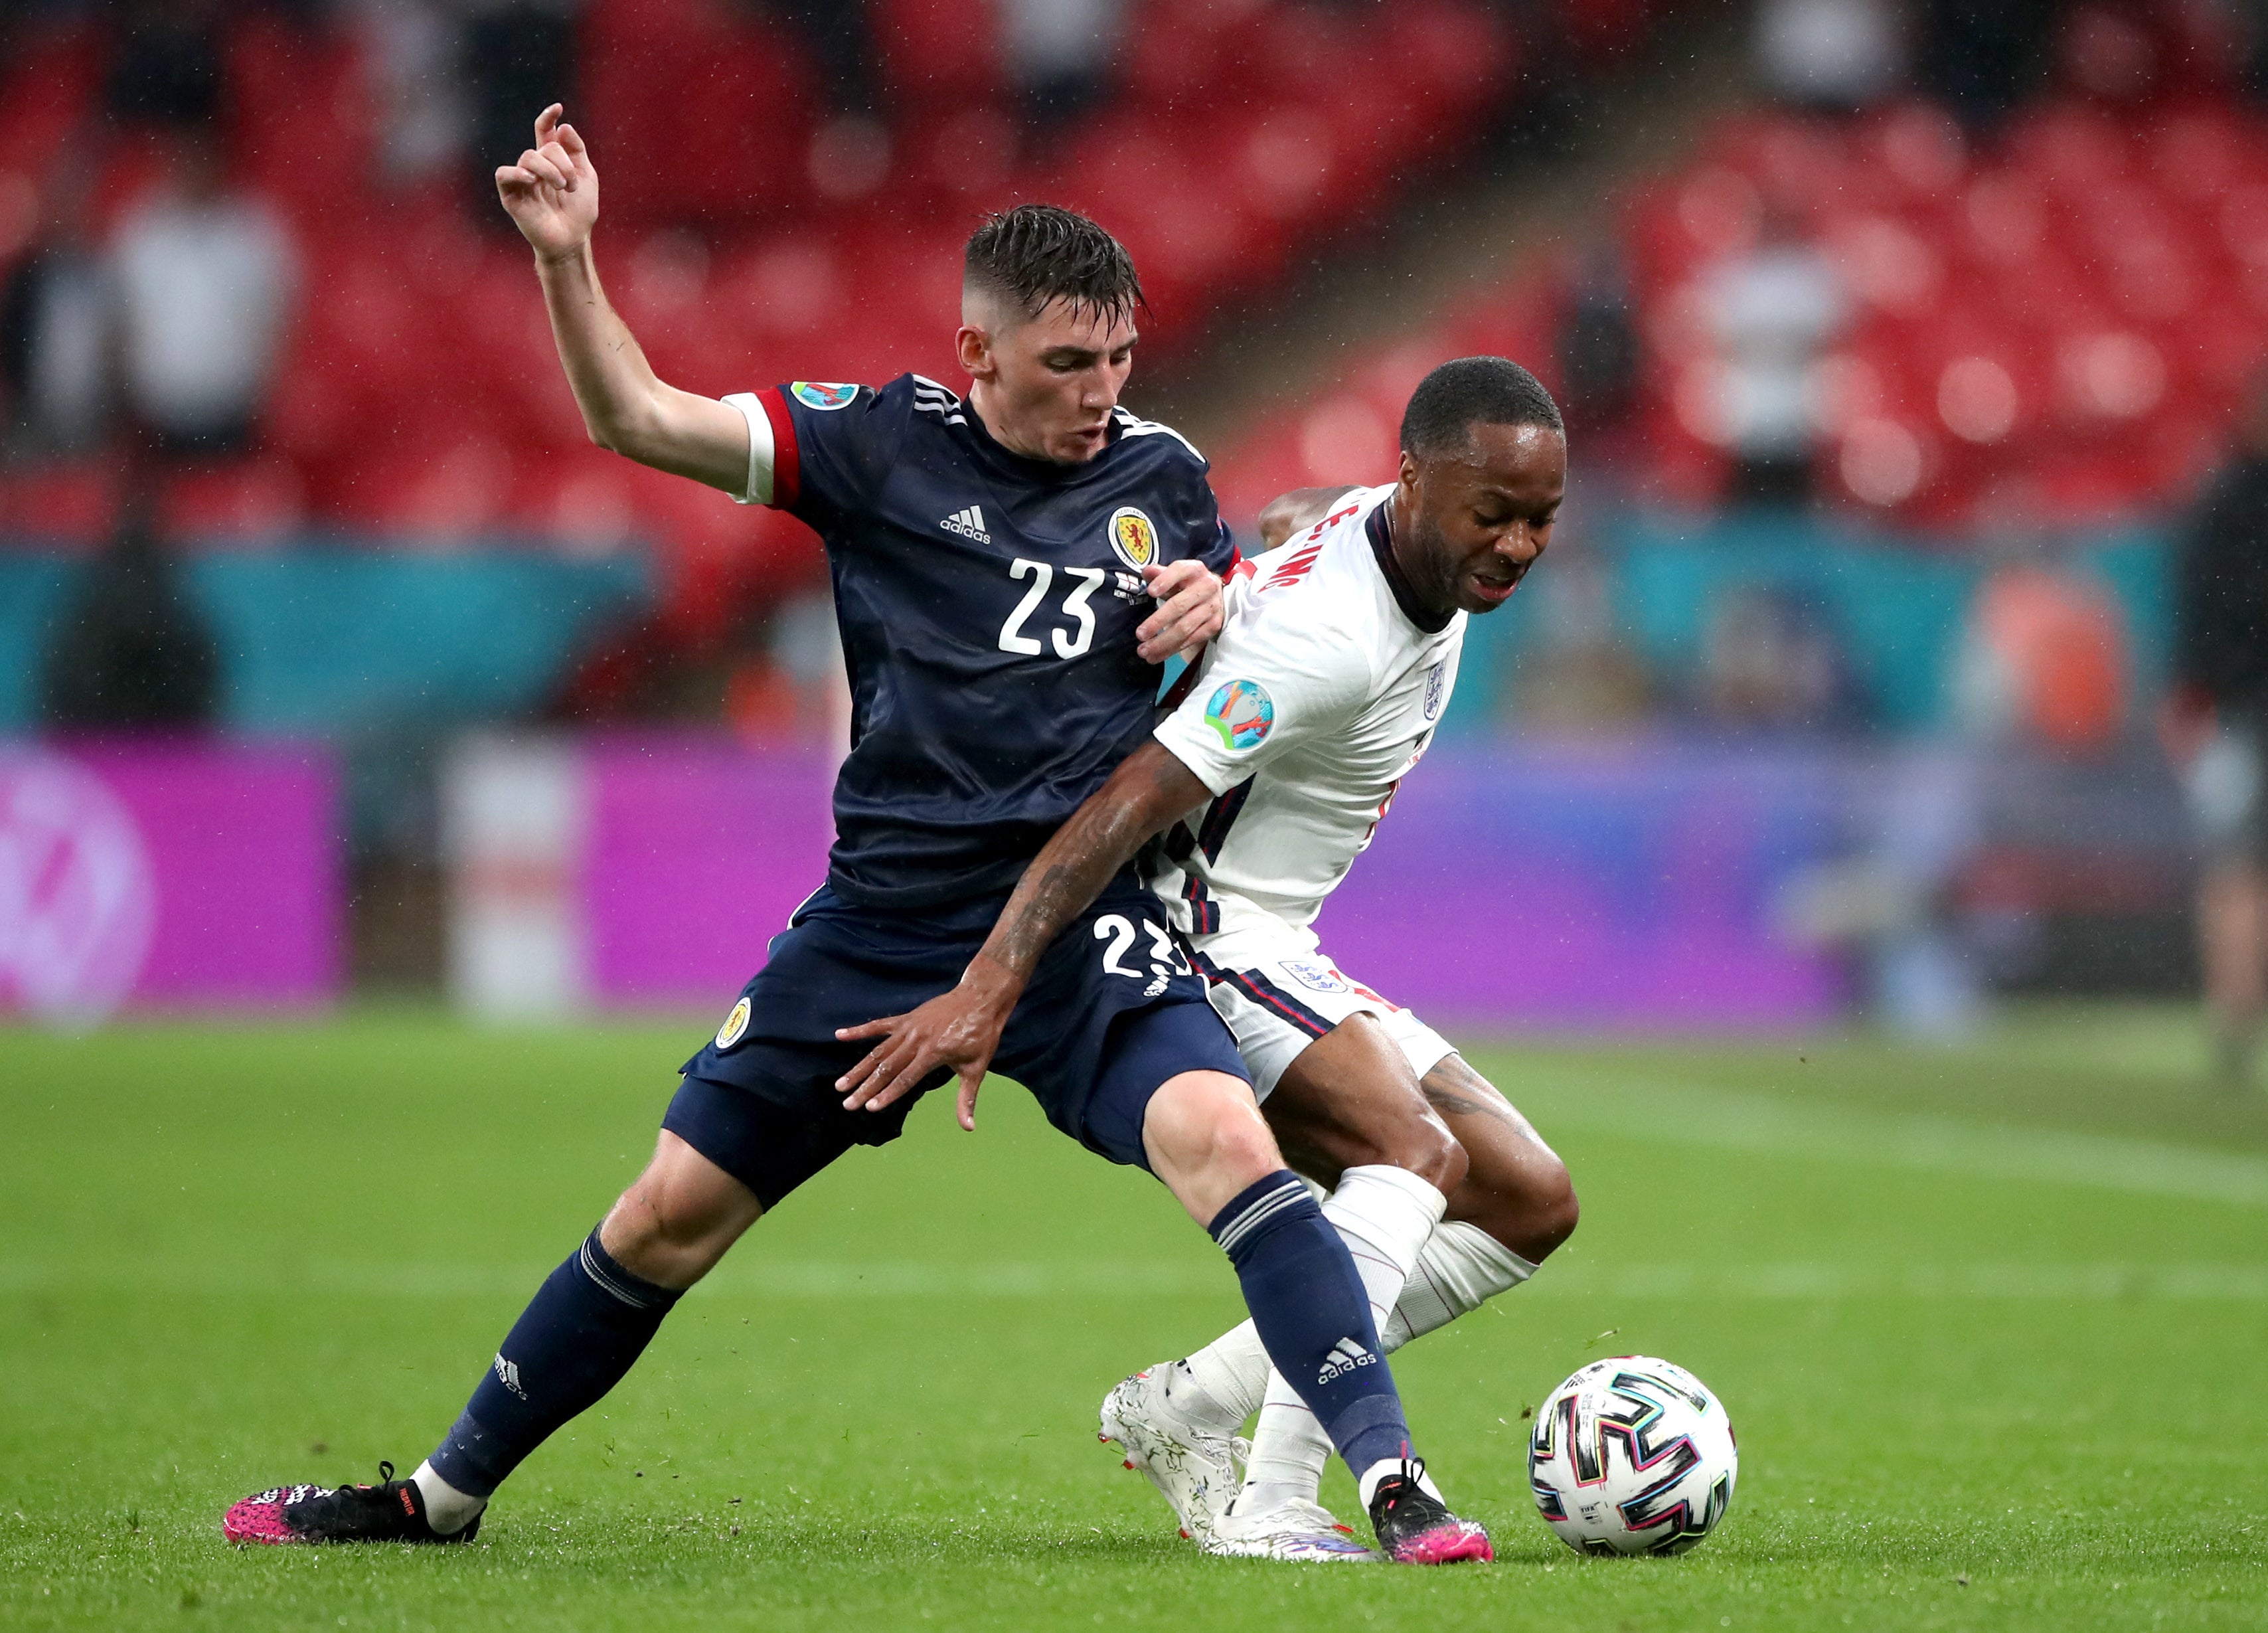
(1494, 590)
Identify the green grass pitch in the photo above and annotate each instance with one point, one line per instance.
(1992, 1324)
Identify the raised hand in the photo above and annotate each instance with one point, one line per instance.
(552, 193)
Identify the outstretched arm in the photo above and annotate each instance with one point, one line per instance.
(552, 196)
(1288, 513)
(961, 1028)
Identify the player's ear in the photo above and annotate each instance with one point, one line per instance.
(1406, 479)
(973, 348)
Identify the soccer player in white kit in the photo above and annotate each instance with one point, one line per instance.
(1323, 689)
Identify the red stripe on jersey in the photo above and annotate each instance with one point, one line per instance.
(786, 488)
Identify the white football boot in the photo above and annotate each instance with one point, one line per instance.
(1196, 1469)
(1295, 1529)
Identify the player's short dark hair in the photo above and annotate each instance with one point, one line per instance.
(1466, 392)
(1037, 252)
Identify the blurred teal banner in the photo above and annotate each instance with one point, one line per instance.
(329, 640)
(1896, 609)
(326, 639)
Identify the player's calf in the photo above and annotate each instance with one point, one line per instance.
(592, 1320)
(1515, 1189)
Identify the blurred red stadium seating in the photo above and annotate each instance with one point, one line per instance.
(2062, 324)
(420, 396)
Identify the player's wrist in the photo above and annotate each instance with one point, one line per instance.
(562, 260)
(992, 982)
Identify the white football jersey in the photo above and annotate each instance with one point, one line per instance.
(1321, 692)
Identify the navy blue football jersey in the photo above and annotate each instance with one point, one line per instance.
(988, 604)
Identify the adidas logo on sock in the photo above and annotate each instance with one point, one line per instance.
(508, 1374)
(1345, 1356)
(969, 523)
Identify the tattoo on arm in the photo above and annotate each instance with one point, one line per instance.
(1145, 792)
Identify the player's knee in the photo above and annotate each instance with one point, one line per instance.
(1422, 1143)
(1520, 1193)
(1243, 1149)
(677, 1218)
(1545, 1213)
(1554, 1215)
(1206, 1122)
(653, 1213)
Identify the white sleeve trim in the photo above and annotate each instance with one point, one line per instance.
(759, 490)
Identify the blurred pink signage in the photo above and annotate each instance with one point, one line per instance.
(171, 874)
(1515, 888)
(698, 851)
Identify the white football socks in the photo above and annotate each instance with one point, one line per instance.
(447, 1509)
(1460, 1268)
(1384, 1214)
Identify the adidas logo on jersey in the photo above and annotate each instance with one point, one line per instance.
(1345, 1356)
(969, 523)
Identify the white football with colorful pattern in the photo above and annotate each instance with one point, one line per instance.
(1632, 1455)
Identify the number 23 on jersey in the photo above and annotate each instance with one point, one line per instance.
(1069, 642)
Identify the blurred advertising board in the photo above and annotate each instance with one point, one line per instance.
(624, 870)
(1632, 884)
(1625, 887)
(167, 875)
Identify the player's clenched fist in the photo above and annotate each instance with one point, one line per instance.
(552, 193)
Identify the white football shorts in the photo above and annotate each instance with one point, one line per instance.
(1278, 999)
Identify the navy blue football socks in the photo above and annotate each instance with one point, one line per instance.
(587, 1325)
(1313, 1316)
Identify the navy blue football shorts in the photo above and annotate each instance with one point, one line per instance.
(1113, 1011)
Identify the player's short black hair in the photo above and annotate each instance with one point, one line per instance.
(1465, 392)
(1037, 252)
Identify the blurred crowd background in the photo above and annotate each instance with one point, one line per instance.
(1911, 353)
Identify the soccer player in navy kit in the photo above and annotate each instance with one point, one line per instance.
(995, 561)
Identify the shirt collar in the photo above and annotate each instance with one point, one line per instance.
(1374, 527)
